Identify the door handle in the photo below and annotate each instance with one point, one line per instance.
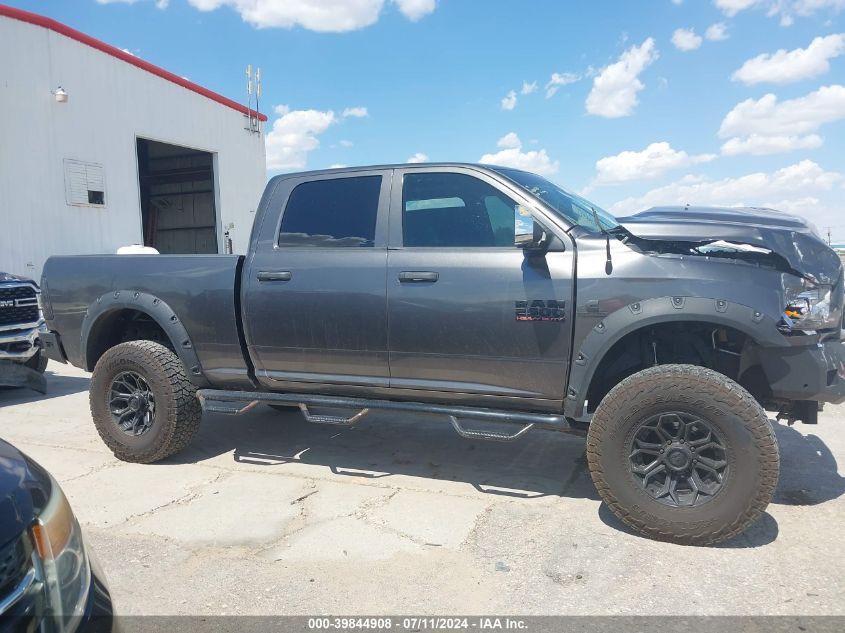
(416, 277)
(273, 275)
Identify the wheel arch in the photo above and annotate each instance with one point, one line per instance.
(103, 327)
(641, 315)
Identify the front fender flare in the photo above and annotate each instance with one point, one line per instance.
(158, 311)
(612, 328)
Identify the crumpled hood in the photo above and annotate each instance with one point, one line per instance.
(10, 278)
(16, 509)
(789, 236)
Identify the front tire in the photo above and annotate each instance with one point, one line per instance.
(684, 454)
(143, 405)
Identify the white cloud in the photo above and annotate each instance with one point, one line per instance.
(558, 80)
(509, 101)
(509, 141)
(511, 155)
(796, 187)
(334, 16)
(785, 66)
(357, 112)
(731, 7)
(651, 162)
(419, 157)
(760, 145)
(345, 143)
(615, 88)
(528, 88)
(686, 40)
(415, 9)
(295, 133)
(717, 32)
(786, 9)
(337, 166)
(766, 124)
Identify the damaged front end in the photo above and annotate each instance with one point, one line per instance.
(16, 375)
(812, 280)
(809, 367)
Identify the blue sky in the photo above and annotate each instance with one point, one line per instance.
(645, 112)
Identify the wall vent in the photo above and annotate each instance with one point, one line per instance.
(85, 184)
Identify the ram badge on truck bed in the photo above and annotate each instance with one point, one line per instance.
(491, 298)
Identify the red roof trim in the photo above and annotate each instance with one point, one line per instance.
(58, 27)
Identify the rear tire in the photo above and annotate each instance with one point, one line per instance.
(144, 406)
(684, 454)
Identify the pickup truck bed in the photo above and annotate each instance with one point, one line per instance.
(87, 294)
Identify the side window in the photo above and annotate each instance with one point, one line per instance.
(331, 213)
(455, 210)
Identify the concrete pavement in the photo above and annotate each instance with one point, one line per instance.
(268, 514)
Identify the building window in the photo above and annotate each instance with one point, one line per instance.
(85, 184)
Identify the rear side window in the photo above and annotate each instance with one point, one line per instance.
(455, 210)
(331, 213)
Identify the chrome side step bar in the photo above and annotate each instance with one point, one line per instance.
(488, 435)
(331, 419)
(239, 402)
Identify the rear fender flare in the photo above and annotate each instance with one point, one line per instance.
(608, 330)
(158, 311)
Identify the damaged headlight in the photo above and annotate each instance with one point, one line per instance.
(810, 310)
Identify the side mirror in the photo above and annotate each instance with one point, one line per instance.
(528, 234)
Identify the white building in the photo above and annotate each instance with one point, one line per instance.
(129, 154)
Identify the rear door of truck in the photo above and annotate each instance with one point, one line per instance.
(470, 314)
(314, 288)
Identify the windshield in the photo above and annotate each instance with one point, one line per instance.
(570, 206)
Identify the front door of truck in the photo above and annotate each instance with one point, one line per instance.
(315, 294)
(469, 313)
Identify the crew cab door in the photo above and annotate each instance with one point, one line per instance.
(314, 293)
(470, 314)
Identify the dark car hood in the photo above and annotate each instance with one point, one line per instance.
(10, 278)
(788, 236)
(16, 480)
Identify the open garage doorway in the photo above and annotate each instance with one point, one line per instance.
(178, 208)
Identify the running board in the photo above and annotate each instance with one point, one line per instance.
(331, 419)
(239, 402)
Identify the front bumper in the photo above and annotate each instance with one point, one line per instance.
(811, 372)
(19, 343)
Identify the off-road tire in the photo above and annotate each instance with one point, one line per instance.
(751, 451)
(178, 411)
(38, 362)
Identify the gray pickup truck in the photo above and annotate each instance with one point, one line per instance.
(493, 299)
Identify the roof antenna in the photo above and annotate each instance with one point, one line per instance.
(253, 123)
(608, 265)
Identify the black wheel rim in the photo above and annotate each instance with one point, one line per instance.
(132, 403)
(678, 459)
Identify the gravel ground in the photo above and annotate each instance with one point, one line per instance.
(267, 514)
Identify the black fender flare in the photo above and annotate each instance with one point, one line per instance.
(610, 329)
(155, 308)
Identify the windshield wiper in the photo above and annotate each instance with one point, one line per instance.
(608, 265)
